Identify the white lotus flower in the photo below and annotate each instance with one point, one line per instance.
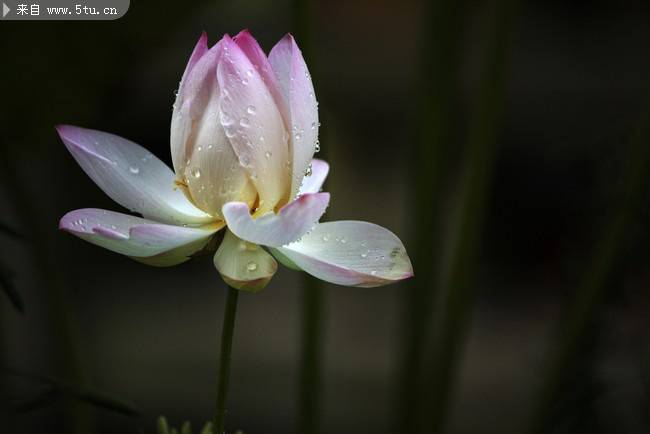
(243, 134)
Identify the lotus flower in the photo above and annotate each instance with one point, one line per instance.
(244, 132)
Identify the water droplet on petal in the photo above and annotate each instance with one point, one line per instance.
(251, 110)
(196, 172)
(268, 154)
(251, 266)
(245, 122)
(134, 169)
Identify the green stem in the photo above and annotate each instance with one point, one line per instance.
(588, 301)
(225, 357)
(310, 364)
(456, 289)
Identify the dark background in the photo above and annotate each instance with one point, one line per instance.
(577, 82)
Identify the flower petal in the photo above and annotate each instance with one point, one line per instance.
(244, 265)
(351, 253)
(130, 175)
(200, 49)
(275, 230)
(295, 82)
(256, 55)
(254, 126)
(314, 182)
(142, 239)
(197, 89)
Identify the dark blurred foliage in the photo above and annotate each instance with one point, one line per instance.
(578, 79)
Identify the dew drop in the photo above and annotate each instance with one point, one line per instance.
(134, 169)
(196, 172)
(317, 146)
(225, 119)
(245, 122)
(251, 110)
(326, 237)
(268, 154)
(251, 266)
(308, 170)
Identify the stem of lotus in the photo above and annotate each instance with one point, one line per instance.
(223, 375)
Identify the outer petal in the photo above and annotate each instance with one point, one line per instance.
(200, 49)
(145, 240)
(256, 55)
(295, 82)
(130, 175)
(351, 253)
(254, 126)
(314, 182)
(197, 88)
(275, 230)
(244, 265)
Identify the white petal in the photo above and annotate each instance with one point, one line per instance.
(244, 265)
(295, 82)
(212, 172)
(130, 175)
(275, 230)
(196, 89)
(254, 126)
(145, 240)
(351, 253)
(314, 182)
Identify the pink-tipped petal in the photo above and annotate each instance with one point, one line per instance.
(275, 230)
(314, 182)
(200, 49)
(244, 265)
(351, 253)
(256, 55)
(197, 98)
(130, 175)
(254, 126)
(146, 240)
(295, 83)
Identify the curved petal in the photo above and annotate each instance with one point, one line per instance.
(198, 88)
(244, 265)
(200, 49)
(275, 230)
(351, 253)
(256, 55)
(295, 82)
(130, 175)
(145, 240)
(314, 182)
(254, 126)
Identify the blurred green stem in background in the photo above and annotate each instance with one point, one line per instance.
(438, 87)
(223, 375)
(59, 300)
(588, 299)
(458, 265)
(309, 393)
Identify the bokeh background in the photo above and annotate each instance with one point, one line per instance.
(540, 98)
